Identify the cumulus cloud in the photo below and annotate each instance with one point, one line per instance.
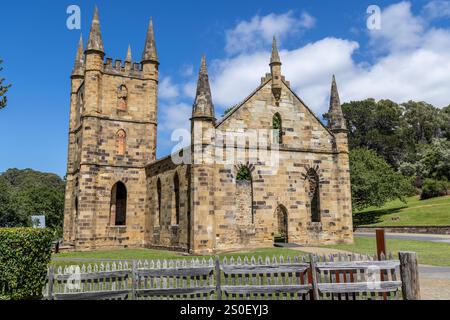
(437, 9)
(168, 90)
(411, 61)
(174, 116)
(258, 32)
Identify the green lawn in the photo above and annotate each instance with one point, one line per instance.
(148, 254)
(431, 253)
(431, 212)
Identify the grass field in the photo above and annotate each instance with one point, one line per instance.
(431, 212)
(148, 254)
(437, 254)
(431, 253)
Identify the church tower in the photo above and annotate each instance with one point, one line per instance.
(112, 137)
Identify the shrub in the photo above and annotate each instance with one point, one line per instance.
(24, 256)
(434, 188)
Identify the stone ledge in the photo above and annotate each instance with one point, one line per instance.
(408, 229)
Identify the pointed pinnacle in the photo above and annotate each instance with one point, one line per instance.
(95, 41)
(336, 116)
(79, 58)
(203, 105)
(129, 57)
(150, 53)
(203, 69)
(275, 57)
(334, 99)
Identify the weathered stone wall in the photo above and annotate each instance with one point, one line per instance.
(306, 144)
(161, 226)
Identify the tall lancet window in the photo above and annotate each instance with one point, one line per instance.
(121, 141)
(158, 190)
(277, 128)
(313, 190)
(122, 98)
(176, 189)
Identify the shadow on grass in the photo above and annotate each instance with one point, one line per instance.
(373, 216)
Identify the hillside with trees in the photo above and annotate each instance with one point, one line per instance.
(24, 193)
(413, 141)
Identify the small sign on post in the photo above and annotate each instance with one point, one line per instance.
(38, 221)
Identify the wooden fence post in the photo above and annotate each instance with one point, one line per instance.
(218, 279)
(409, 273)
(312, 269)
(51, 277)
(381, 243)
(134, 280)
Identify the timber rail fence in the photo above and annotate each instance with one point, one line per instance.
(333, 277)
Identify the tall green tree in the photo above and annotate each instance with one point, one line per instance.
(374, 181)
(377, 126)
(24, 193)
(3, 89)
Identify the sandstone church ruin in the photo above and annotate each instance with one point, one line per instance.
(119, 195)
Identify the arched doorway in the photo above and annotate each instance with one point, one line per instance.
(119, 204)
(281, 231)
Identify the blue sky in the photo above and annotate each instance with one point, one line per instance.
(408, 58)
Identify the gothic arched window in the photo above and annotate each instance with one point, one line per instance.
(122, 98)
(313, 190)
(281, 234)
(118, 205)
(278, 128)
(176, 189)
(121, 139)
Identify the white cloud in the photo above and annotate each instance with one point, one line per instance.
(258, 32)
(400, 29)
(414, 64)
(174, 116)
(168, 90)
(437, 9)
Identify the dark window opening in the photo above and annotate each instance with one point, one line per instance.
(176, 183)
(119, 203)
(278, 128)
(158, 188)
(314, 195)
(282, 224)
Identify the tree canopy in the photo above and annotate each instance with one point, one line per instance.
(24, 193)
(3, 89)
(374, 181)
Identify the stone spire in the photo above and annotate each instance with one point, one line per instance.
(275, 57)
(150, 54)
(203, 106)
(129, 57)
(95, 42)
(336, 120)
(78, 67)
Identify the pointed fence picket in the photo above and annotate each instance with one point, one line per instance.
(333, 277)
